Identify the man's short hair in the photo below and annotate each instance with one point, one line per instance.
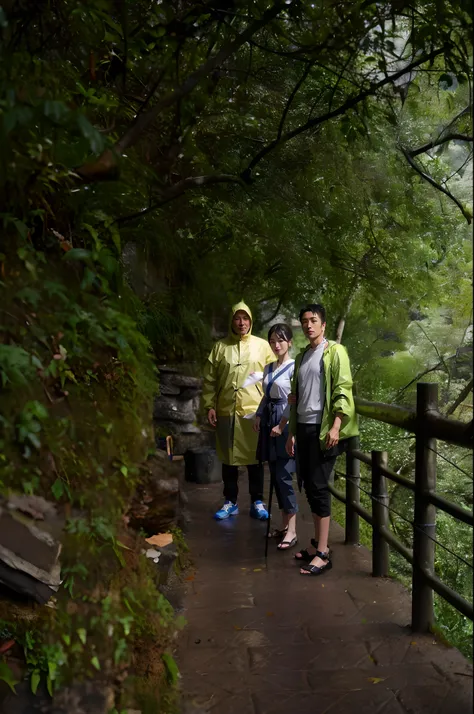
(316, 309)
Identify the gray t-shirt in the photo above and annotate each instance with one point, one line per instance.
(311, 386)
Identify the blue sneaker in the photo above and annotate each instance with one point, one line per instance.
(258, 510)
(228, 509)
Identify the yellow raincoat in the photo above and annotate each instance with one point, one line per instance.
(229, 364)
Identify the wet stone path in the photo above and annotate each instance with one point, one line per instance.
(266, 640)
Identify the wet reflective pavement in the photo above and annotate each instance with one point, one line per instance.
(262, 639)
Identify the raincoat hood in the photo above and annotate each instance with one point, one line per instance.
(235, 308)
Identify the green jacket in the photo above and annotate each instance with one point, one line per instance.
(338, 392)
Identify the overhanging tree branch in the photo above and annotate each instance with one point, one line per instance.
(465, 212)
(440, 366)
(178, 189)
(293, 94)
(274, 313)
(146, 119)
(438, 142)
(459, 400)
(342, 109)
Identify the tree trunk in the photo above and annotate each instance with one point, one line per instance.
(341, 321)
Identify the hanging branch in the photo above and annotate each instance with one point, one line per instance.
(459, 400)
(438, 142)
(293, 94)
(178, 189)
(341, 110)
(104, 167)
(465, 212)
(440, 366)
(274, 313)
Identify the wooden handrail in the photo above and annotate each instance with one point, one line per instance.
(435, 425)
(427, 424)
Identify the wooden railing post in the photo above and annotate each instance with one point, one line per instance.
(424, 523)
(352, 493)
(380, 551)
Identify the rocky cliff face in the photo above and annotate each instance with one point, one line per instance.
(176, 410)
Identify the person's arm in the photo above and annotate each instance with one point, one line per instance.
(262, 405)
(292, 399)
(279, 428)
(209, 386)
(341, 382)
(340, 396)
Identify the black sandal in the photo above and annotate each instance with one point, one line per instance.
(317, 569)
(278, 533)
(287, 544)
(306, 557)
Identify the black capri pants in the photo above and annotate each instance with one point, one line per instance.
(315, 466)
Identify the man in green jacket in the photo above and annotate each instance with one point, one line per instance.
(322, 419)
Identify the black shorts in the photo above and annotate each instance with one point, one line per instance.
(314, 467)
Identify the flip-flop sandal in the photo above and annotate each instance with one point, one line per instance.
(278, 533)
(287, 544)
(317, 569)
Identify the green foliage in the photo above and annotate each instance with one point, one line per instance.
(144, 186)
(7, 676)
(171, 668)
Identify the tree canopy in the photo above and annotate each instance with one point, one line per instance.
(160, 160)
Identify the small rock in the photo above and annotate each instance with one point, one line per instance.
(153, 554)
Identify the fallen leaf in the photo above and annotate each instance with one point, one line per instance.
(190, 577)
(257, 570)
(236, 627)
(160, 539)
(270, 614)
(413, 643)
(243, 568)
(375, 680)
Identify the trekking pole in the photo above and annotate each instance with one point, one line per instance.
(269, 515)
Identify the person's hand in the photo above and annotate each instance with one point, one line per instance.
(290, 446)
(276, 431)
(212, 417)
(292, 399)
(332, 437)
(256, 425)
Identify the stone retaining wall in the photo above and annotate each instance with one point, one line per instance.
(176, 410)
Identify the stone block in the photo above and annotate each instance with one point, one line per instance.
(168, 408)
(202, 466)
(195, 439)
(23, 538)
(30, 546)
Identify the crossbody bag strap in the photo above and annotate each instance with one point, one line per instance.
(275, 377)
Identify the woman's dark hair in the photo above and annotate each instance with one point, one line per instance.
(281, 331)
(316, 309)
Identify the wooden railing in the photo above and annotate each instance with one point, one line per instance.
(428, 425)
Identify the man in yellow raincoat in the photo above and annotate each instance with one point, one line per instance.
(231, 395)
